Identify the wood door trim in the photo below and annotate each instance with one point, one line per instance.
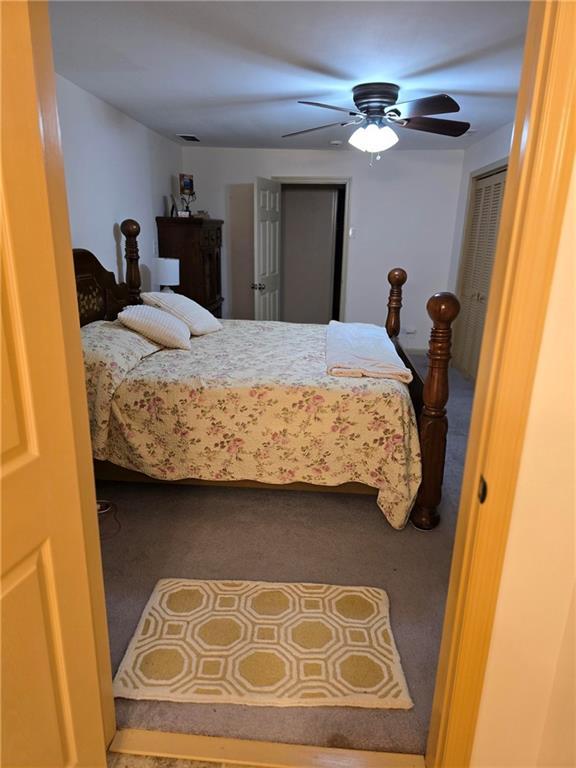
(537, 186)
(254, 753)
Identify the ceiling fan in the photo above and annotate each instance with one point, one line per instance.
(377, 110)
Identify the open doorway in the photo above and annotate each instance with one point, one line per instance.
(312, 241)
(528, 303)
(291, 268)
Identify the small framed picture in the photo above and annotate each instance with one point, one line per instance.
(186, 184)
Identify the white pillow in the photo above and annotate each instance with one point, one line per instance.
(198, 319)
(161, 327)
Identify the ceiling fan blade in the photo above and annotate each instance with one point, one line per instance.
(329, 106)
(433, 125)
(318, 128)
(441, 104)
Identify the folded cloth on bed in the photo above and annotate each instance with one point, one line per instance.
(361, 349)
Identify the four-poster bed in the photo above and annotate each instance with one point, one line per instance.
(100, 297)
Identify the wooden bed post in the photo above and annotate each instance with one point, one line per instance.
(131, 229)
(443, 309)
(396, 277)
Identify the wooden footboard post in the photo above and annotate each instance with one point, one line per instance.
(396, 277)
(443, 309)
(131, 229)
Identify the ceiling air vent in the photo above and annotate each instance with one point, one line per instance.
(187, 137)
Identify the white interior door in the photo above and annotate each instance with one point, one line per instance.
(267, 284)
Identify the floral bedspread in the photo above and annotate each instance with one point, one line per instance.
(250, 402)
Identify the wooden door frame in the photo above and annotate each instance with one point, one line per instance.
(534, 202)
(537, 184)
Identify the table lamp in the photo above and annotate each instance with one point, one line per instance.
(168, 273)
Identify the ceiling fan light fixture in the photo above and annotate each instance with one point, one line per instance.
(373, 138)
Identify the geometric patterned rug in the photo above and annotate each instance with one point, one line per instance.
(264, 644)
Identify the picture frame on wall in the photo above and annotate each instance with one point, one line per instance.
(186, 184)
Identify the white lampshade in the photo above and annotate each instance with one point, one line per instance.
(168, 271)
(373, 138)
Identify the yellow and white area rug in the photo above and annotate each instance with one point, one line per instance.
(266, 644)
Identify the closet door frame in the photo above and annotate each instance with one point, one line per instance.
(488, 170)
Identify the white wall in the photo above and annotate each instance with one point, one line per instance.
(403, 210)
(116, 169)
(407, 210)
(527, 710)
(492, 149)
(240, 228)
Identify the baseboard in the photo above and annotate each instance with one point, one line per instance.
(415, 351)
(259, 754)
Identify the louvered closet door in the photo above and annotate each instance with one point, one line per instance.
(476, 268)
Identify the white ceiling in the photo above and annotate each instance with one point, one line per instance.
(232, 72)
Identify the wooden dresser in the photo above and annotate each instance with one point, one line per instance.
(197, 243)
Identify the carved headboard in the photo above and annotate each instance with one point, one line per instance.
(100, 297)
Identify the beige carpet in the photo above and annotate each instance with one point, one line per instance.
(264, 644)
